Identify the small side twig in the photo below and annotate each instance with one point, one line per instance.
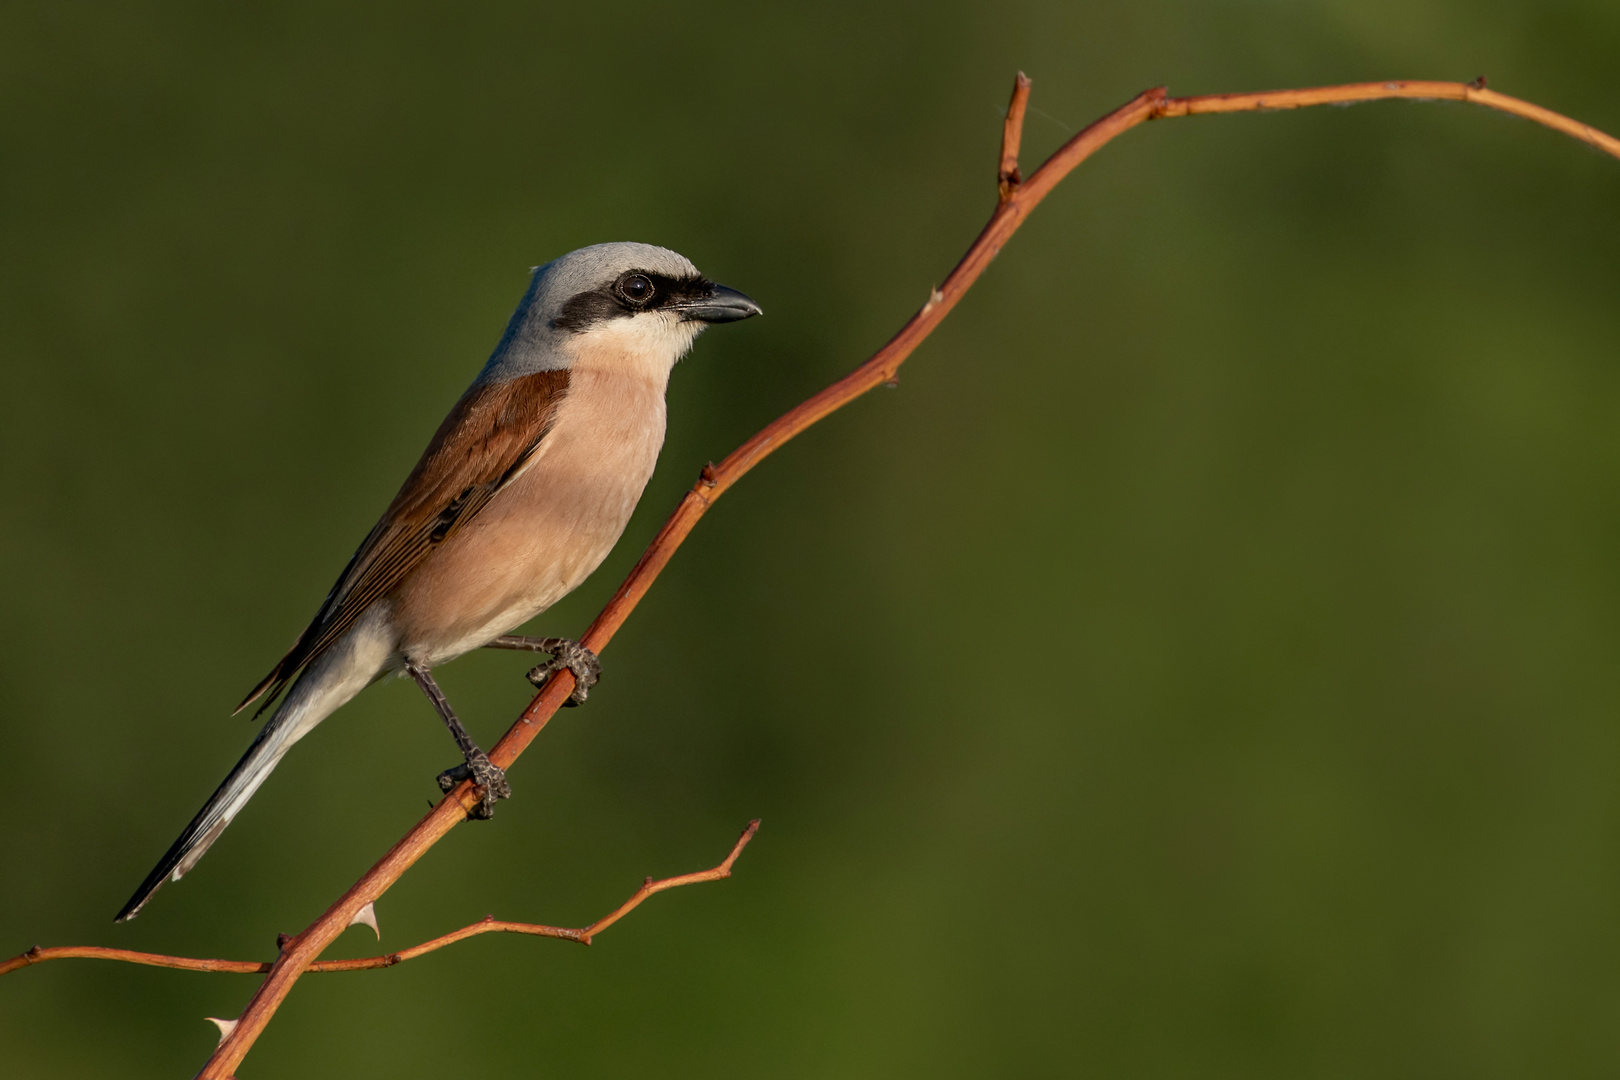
(1012, 134)
(487, 925)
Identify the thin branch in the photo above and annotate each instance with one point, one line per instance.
(1013, 207)
(1475, 93)
(487, 925)
(37, 955)
(1012, 133)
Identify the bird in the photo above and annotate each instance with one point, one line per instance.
(521, 493)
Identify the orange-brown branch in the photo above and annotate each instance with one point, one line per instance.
(37, 955)
(488, 925)
(1015, 203)
(1473, 93)
(1012, 134)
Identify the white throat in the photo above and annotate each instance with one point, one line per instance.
(642, 347)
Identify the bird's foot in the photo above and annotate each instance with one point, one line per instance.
(487, 775)
(565, 653)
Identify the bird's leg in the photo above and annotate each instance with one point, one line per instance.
(478, 766)
(565, 653)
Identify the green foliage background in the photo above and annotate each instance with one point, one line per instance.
(1204, 665)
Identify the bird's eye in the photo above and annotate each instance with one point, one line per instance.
(636, 289)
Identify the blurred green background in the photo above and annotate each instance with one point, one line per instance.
(1205, 664)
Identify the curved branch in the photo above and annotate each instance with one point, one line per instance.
(487, 925)
(301, 952)
(1474, 93)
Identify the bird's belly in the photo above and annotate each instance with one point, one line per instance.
(535, 542)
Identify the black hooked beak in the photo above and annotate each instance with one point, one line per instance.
(721, 305)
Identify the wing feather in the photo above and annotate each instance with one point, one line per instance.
(488, 436)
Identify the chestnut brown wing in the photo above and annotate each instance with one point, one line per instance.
(488, 436)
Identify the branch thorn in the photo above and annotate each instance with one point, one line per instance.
(225, 1027)
(367, 916)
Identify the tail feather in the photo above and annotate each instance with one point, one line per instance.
(339, 674)
(217, 812)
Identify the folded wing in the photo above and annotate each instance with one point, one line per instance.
(487, 438)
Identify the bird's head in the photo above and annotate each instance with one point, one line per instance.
(628, 303)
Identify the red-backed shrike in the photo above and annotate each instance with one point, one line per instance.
(523, 491)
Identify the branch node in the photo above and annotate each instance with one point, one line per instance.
(1478, 83)
(709, 477)
(283, 939)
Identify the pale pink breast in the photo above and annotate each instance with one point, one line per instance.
(548, 529)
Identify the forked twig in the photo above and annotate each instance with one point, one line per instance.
(1016, 198)
(487, 925)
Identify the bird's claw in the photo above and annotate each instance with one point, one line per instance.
(584, 663)
(487, 775)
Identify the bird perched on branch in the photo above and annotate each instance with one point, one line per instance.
(522, 493)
